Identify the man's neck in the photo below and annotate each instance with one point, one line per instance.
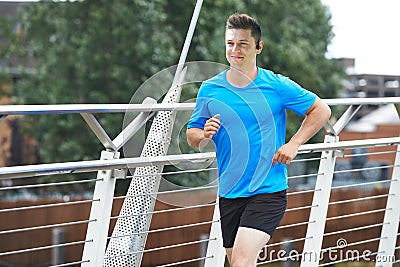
(240, 77)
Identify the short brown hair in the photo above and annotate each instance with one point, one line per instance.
(245, 22)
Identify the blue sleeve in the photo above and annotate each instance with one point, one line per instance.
(296, 98)
(200, 113)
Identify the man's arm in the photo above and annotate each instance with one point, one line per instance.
(316, 116)
(198, 137)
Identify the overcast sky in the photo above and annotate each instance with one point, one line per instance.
(369, 31)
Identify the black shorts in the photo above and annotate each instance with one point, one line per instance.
(262, 212)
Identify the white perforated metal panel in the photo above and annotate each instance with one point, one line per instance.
(128, 238)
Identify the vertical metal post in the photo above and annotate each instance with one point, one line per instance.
(288, 247)
(390, 228)
(316, 227)
(203, 248)
(97, 231)
(58, 253)
(93, 254)
(215, 256)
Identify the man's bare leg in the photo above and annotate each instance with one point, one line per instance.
(247, 246)
(229, 255)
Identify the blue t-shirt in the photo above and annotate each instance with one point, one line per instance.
(253, 127)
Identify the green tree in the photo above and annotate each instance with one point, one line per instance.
(7, 37)
(89, 52)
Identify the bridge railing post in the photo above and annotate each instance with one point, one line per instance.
(100, 213)
(317, 219)
(389, 233)
(215, 256)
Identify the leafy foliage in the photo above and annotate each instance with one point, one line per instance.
(90, 52)
(6, 37)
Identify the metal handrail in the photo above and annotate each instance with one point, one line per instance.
(96, 165)
(115, 108)
(90, 108)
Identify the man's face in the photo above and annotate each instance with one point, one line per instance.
(241, 49)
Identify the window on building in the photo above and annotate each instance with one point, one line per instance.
(392, 84)
(373, 94)
(362, 82)
(390, 93)
(373, 81)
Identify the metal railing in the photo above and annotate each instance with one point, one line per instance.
(329, 219)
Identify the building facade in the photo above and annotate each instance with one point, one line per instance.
(368, 85)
